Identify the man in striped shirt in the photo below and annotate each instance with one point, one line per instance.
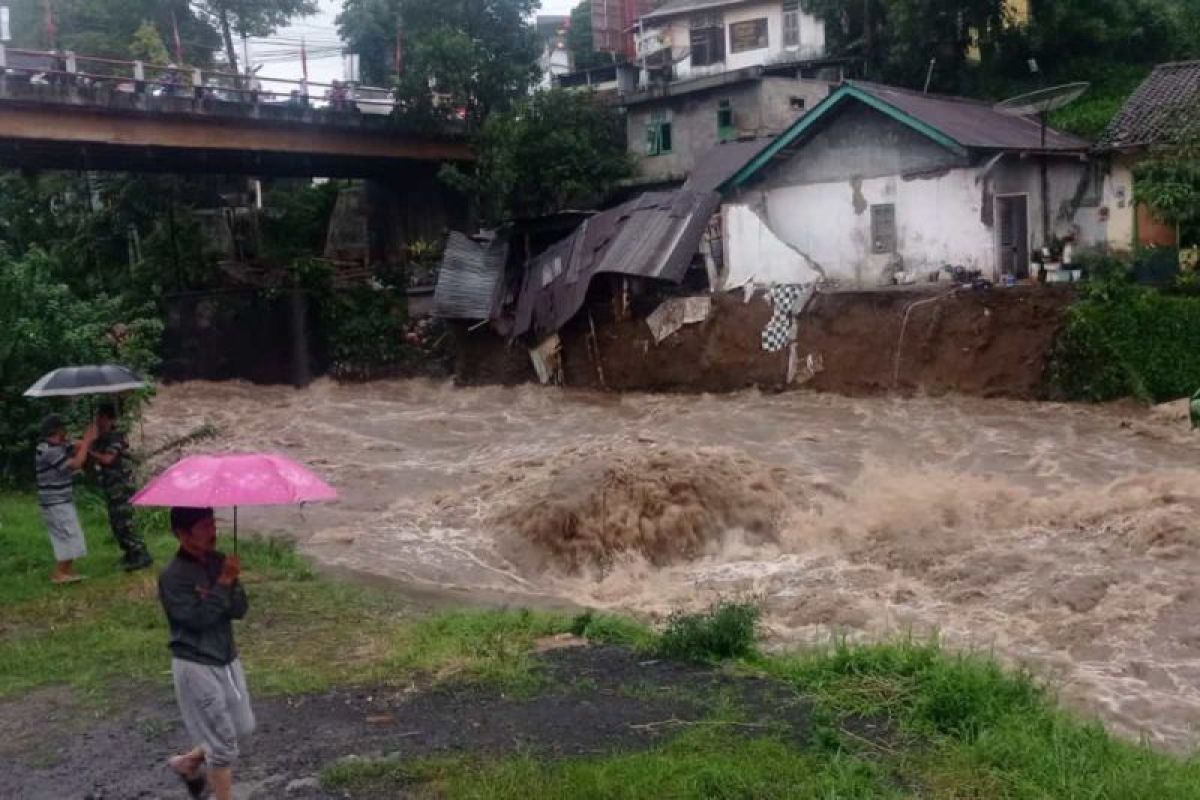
(57, 462)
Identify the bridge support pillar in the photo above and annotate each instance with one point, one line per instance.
(298, 317)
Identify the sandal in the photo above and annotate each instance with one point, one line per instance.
(63, 579)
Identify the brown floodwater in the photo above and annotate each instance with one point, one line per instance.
(1056, 536)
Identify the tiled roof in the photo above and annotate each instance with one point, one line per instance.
(1163, 110)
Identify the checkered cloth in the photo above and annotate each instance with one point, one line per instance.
(788, 302)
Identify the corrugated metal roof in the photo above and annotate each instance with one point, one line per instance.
(654, 235)
(722, 162)
(469, 278)
(972, 123)
(1165, 109)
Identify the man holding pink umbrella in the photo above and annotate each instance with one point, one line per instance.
(202, 595)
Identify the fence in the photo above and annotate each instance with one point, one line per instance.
(140, 77)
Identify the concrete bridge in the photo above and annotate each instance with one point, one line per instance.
(53, 115)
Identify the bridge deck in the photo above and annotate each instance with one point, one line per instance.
(101, 127)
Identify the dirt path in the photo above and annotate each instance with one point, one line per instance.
(55, 747)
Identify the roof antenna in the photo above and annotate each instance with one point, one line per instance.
(929, 75)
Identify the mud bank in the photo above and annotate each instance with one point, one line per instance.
(991, 343)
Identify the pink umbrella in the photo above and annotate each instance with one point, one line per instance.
(236, 479)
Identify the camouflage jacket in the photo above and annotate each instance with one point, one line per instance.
(117, 479)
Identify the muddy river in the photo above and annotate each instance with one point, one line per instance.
(1061, 537)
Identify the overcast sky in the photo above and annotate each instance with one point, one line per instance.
(280, 56)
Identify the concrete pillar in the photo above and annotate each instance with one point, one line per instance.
(301, 368)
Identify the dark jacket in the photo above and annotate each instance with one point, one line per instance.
(199, 610)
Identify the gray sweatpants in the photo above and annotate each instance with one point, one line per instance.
(215, 705)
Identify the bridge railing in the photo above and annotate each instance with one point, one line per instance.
(139, 77)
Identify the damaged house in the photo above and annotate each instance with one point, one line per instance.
(879, 185)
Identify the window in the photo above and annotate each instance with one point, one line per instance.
(707, 40)
(883, 228)
(791, 23)
(726, 130)
(1091, 193)
(658, 134)
(797, 103)
(748, 35)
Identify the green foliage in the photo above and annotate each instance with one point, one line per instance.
(148, 45)
(44, 325)
(554, 150)
(478, 56)
(1122, 340)
(613, 629)
(363, 326)
(108, 27)
(251, 18)
(1169, 183)
(964, 727)
(725, 630)
(139, 240)
(295, 220)
(704, 763)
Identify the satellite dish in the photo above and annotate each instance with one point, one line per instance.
(1043, 100)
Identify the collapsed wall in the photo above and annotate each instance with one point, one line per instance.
(988, 342)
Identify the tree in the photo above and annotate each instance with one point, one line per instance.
(372, 28)
(895, 39)
(580, 41)
(148, 44)
(253, 18)
(463, 60)
(556, 149)
(1169, 183)
(107, 27)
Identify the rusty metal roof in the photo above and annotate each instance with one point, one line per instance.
(956, 123)
(973, 123)
(654, 235)
(1163, 110)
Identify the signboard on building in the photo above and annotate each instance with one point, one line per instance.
(748, 35)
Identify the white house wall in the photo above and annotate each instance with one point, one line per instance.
(937, 223)
(812, 41)
(1118, 200)
(754, 255)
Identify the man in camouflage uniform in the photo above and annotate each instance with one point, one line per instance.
(114, 468)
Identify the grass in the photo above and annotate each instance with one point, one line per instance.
(905, 719)
(704, 762)
(111, 626)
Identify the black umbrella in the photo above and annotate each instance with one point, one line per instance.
(97, 379)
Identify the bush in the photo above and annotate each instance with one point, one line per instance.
(613, 629)
(1122, 340)
(725, 630)
(43, 325)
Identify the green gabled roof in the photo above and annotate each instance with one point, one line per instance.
(809, 120)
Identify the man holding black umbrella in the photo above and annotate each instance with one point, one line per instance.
(115, 472)
(56, 463)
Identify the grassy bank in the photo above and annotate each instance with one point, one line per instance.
(897, 720)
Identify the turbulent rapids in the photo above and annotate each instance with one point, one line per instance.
(1062, 537)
